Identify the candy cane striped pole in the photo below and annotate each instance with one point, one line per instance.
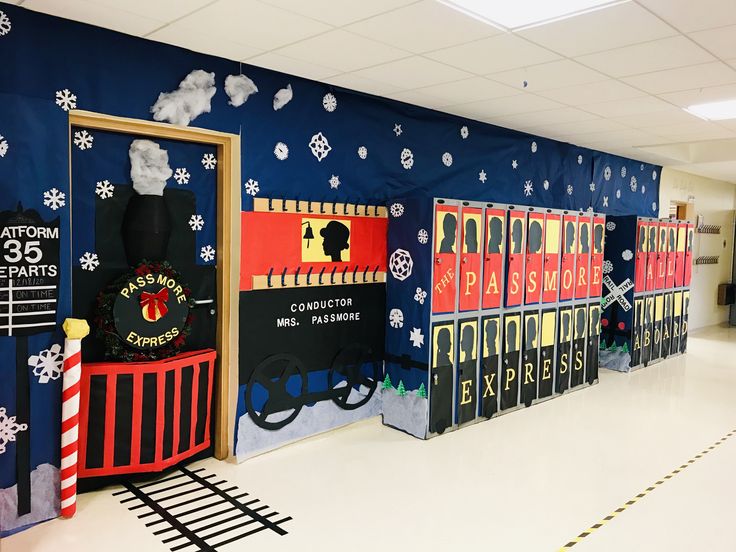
(75, 330)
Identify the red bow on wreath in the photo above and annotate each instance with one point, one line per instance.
(154, 304)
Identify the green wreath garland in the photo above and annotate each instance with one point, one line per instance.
(115, 347)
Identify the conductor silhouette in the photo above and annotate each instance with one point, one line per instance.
(471, 236)
(511, 336)
(443, 347)
(648, 312)
(565, 326)
(535, 237)
(467, 342)
(449, 226)
(672, 239)
(595, 316)
(531, 333)
(580, 324)
(642, 239)
(516, 236)
(569, 237)
(491, 333)
(584, 239)
(652, 239)
(598, 236)
(495, 233)
(336, 236)
(662, 240)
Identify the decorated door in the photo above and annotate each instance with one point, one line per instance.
(680, 255)
(547, 353)
(470, 259)
(652, 255)
(594, 334)
(491, 345)
(636, 331)
(444, 285)
(657, 333)
(530, 358)
(495, 243)
(642, 248)
(669, 282)
(511, 357)
(689, 254)
(661, 275)
(552, 235)
(534, 258)
(596, 260)
(582, 265)
(441, 377)
(647, 332)
(577, 374)
(569, 250)
(466, 393)
(683, 323)
(515, 258)
(667, 325)
(564, 348)
(676, 322)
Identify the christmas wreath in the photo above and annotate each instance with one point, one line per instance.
(116, 347)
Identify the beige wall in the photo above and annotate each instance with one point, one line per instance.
(716, 201)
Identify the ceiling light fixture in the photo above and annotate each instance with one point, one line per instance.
(517, 15)
(714, 111)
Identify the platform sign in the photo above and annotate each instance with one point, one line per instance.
(530, 358)
(661, 275)
(511, 357)
(647, 330)
(596, 260)
(569, 249)
(552, 236)
(683, 323)
(495, 240)
(466, 393)
(676, 322)
(669, 281)
(594, 336)
(680, 256)
(470, 259)
(564, 348)
(667, 326)
(547, 353)
(445, 256)
(582, 265)
(689, 254)
(577, 374)
(441, 377)
(636, 334)
(515, 260)
(652, 254)
(534, 258)
(640, 268)
(489, 365)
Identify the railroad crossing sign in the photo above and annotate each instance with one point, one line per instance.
(617, 293)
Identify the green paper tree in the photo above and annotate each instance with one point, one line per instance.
(387, 383)
(401, 390)
(625, 347)
(422, 392)
(603, 345)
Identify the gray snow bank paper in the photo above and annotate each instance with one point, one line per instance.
(282, 97)
(187, 102)
(149, 167)
(238, 88)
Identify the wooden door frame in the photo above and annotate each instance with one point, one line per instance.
(228, 249)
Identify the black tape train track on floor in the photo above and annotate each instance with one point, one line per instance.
(174, 499)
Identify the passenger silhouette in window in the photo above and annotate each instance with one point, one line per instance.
(584, 239)
(516, 236)
(598, 236)
(566, 325)
(569, 237)
(336, 236)
(672, 239)
(511, 336)
(531, 333)
(535, 237)
(471, 236)
(495, 235)
(580, 324)
(689, 240)
(444, 344)
(652, 239)
(449, 227)
(467, 342)
(595, 316)
(662, 239)
(491, 334)
(642, 238)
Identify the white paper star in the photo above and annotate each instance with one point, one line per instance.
(605, 201)
(482, 176)
(514, 164)
(416, 337)
(397, 129)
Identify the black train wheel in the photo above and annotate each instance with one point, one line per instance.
(272, 375)
(347, 367)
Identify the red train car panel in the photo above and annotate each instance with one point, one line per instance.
(680, 256)
(569, 248)
(596, 260)
(689, 254)
(444, 282)
(642, 246)
(493, 260)
(470, 258)
(669, 279)
(534, 258)
(515, 262)
(552, 227)
(582, 265)
(652, 249)
(661, 274)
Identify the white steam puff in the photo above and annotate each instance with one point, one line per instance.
(238, 88)
(149, 167)
(187, 102)
(282, 97)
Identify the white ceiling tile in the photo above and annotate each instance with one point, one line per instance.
(416, 97)
(555, 74)
(589, 126)
(720, 42)
(101, 16)
(363, 84)
(631, 106)
(424, 26)
(253, 23)
(600, 30)
(467, 90)
(666, 53)
(549, 117)
(414, 72)
(163, 10)
(671, 115)
(300, 68)
(492, 110)
(623, 138)
(686, 98)
(203, 43)
(697, 129)
(688, 16)
(592, 92)
(684, 78)
(338, 13)
(494, 54)
(342, 50)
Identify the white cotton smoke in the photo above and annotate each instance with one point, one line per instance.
(238, 88)
(187, 102)
(149, 167)
(282, 97)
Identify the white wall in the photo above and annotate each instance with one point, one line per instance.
(716, 201)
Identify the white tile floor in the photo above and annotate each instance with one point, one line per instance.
(529, 481)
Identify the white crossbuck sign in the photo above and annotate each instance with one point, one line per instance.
(617, 293)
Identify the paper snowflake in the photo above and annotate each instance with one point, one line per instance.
(623, 172)
(8, 429)
(362, 152)
(207, 253)
(83, 140)
(104, 189)
(482, 176)
(252, 187)
(592, 186)
(397, 129)
(209, 161)
(396, 318)
(281, 151)
(607, 173)
(528, 188)
(422, 236)
(447, 159)
(618, 194)
(66, 100)
(48, 364)
(334, 182)
(54, 199)
(654, 206)
(607, 266)
(569, 189)
(545, 184)
(397, 209)
(196, 222)
(464, 132)
(320, 146)
(181, 175)
(627, 255)
(416, 337)
(407, 158)
(632, 183)
(5, 24)
(420, 296)
(514, 164)
(654, 175)
(580, 159)
(534, 147)
(643, 189)
(89, 261)
(641, 167)
(605, 201)
(329, 102)
(400, 264)
(3, 146)
(610, 226)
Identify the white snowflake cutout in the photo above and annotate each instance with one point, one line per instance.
(407, 158)
(334, 182)
(610, 226)
(362, 152)
(196, 223)
(514, 164)
(416, 337)
(207, 253)
(643, 189)
(592, 186)
(181, 175)
(281, 151)
(482, 176)
(618, 194)
(104, 189)
(400, 264)
(54, 199)
(633, 183)
(641, 167)
(320, 146)
(89, 261)
(607, 267)
(464, 132)
(580, 159)
(623, 172)
(447, 159)
(396, 318)
(3, 146)
(9, 428)
(420, 296)
(534, 147)
(607, 173)
(5, 24)
(654, 175)
(209, 161)
(397, 209)
(66, 100)
(654, 206)
(627, 255)
(545, 184)
(329, 102)
(83, 140)
(528, 188)
(422, 236)
(48, 364)
(569, 189)
(252, 187)
(397, 129)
